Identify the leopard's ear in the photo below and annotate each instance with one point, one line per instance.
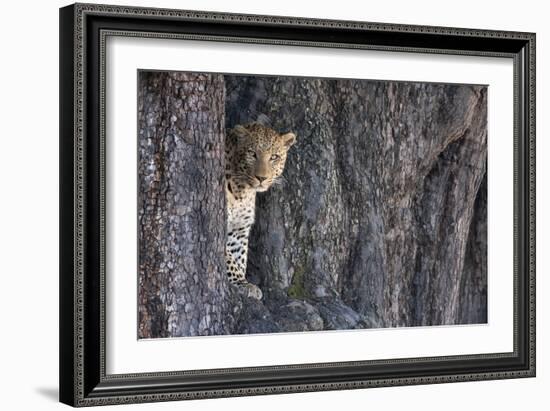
(240, 132)
(288, 139)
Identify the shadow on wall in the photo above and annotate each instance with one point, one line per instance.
(50, 393)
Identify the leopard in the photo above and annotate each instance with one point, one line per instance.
(255, 159)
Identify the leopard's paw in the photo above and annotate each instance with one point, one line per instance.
(251, 290)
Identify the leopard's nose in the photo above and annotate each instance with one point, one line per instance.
(261, 179)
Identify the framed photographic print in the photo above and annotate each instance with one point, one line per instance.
(260, 204)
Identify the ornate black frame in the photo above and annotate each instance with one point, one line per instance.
(83, 30)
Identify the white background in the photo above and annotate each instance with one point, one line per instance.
(29, 205)
(125, 354)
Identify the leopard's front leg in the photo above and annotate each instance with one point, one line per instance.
(236, 253)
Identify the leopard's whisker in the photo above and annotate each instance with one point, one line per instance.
(279, 180)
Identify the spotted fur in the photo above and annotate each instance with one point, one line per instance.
(255, 159)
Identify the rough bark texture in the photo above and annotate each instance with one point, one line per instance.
(381, 221)
(181, 206)
(473, 294)
(374, 226)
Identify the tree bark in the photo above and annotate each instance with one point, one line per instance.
(381, 220)
(371, 228)
(182, 285)
(473, 293)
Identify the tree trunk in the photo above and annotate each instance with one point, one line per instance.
(182, 285)
(372, 227)
(473, 294)
(381, 220)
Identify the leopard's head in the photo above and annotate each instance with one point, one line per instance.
(256, 155)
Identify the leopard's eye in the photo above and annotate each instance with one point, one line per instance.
(252, 153)
(275, 157)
